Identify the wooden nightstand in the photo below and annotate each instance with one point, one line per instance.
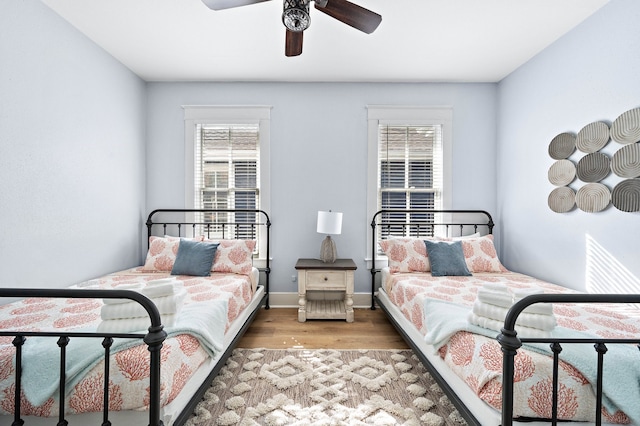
(315, 275)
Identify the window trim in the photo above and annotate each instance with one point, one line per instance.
(229, 114)
(406, 115)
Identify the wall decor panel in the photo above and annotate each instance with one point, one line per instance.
(595, 166)
(562, 172)
(626, 195)
(562, 199)
(593, 137)
(626, 161)
(562, 146)
(626, 128)
(593, 197)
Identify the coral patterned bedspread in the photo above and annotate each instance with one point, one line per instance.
(477, 359)
(181, 355)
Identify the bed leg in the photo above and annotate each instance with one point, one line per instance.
(373, 289)
(267, 272)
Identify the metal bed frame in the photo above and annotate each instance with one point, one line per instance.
(508, 339)
(153, 339)
(510, 343)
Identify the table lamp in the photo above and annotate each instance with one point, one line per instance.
(329, 223)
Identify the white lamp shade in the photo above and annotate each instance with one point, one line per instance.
(329, 223)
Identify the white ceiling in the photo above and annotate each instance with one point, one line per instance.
(417, 41)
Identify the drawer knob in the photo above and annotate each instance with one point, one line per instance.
(326, 279)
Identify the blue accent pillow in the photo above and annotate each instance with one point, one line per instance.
(446, 258)
(194, 258)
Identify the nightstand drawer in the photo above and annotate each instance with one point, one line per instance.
(326, 280)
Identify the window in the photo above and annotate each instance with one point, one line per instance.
(409, 173)
(226, 174)
(227, 167)
(408, 164)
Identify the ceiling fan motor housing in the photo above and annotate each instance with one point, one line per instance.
(296, 15)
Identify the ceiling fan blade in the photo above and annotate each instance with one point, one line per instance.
(351, 14)
(228, 4)
(293, 43)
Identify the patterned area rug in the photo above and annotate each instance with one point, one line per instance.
(324, 387)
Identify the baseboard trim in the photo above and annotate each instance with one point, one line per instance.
(290, 300)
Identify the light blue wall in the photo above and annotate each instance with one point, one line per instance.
(319, 155)
(72, 153)
(591, 74)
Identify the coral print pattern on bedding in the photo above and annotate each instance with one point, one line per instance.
(234, 256)
(480, 255)
(477, 359)
(162, 253)
(181, 355)
(406, 254)
(409, 254)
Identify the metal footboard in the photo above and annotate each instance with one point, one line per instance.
(510, 343)
(153, 339)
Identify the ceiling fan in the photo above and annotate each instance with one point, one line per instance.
(296, 18)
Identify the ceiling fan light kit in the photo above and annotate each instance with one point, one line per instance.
(296, 17)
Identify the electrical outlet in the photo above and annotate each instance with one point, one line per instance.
(293, 278)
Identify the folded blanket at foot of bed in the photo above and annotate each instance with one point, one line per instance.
(124, 315)
(496, 325)
(166, 305)
(499, 294)
(152, 289)
(493, 302)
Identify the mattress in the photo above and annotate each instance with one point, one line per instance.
(214, 302)
(476, 359)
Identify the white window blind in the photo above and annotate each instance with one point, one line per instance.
(227, 175)
(227, 156)
(409, 174)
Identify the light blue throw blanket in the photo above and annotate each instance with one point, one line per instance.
(41, 355)
(621, 383)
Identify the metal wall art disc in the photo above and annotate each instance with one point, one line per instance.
(562, 200)
(626, 195)
(593, 167)
(626, 161)
(593, 137)
(626, 128)
(562, 172)
(593, 197)
(562, 146)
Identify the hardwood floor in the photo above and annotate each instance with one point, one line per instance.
(278, 328)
